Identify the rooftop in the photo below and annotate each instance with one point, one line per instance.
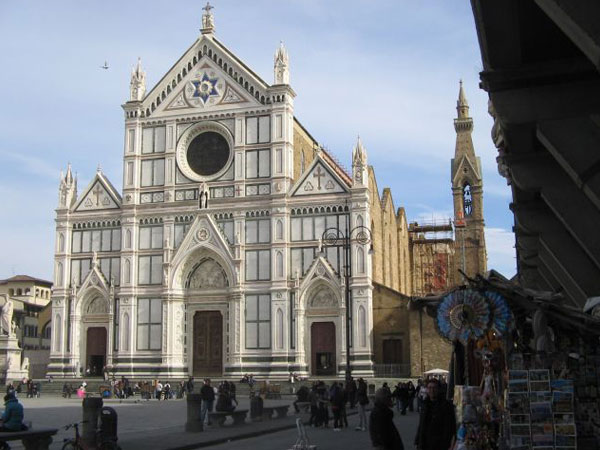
(26, 279)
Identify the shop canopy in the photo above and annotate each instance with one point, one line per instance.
(436, 372)
(524, 302)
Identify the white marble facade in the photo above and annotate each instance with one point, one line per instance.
(209, 261)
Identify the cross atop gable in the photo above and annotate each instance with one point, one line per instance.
(99, 194)
(318, 179)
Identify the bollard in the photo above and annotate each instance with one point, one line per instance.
(91, 413)
(194, 419)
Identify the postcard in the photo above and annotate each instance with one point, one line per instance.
(518, 374)
(565, 441)
(540, 396)
(542, 428)
(518, 386)
(565, 429)
(562, 401)
(519, 430)
(563, 418)
(541, 412)
(539, 385)
(539, 375)
(519, 419)
(518, 402)
(562, 385)
(542, 440)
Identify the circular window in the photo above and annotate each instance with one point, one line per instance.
(205, 151)
(208, 153)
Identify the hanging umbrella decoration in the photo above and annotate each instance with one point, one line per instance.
(463, 315)
(501, 316)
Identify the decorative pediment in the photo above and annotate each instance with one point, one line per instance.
(99, 194)
(318, 179)
(203, 240)
(320, 271)
(206, 87)
(322, 297)
(465, 167)
(207, 76)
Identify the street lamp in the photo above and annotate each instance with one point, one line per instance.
(333, 237)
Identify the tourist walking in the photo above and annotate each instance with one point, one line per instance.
(411, 396)
(351, 392)
(337, 398)
(421, 394)
(207, 395)
(383, 432)
(437, 422)
(363, 401)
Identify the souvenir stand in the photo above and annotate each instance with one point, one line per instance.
(525, 367)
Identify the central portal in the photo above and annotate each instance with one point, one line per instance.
(322, 346)
(208, 343)
(95, 351)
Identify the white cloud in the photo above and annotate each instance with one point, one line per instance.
(501, 253)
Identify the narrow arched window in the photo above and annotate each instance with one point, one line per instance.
(279, 329)
(61, 242)
(59, 274)
(279, 230)
(360, 260)
(57, 330)
(467, 200)
(125, 328)
(359, 221)
(279, 263)
(128, 239)
(127, 273)
(362, 327)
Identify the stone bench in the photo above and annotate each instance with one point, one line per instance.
(267, 412)
(238, 416)
(32, 439)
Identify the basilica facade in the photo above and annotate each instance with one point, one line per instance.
(237, 245)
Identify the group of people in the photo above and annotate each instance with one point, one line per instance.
(322, 399)
(32, 388)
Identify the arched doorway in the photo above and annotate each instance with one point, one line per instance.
(322, 346)
(95, 350)
(208, 344)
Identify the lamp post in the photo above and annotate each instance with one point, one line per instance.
(333, 237)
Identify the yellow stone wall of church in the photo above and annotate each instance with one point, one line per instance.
(389, 229)
(428, 350)
(303, 144)
(390, 321)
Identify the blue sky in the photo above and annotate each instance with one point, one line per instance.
(387, 70)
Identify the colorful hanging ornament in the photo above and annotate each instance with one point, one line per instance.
(500, 313)
(463, 315)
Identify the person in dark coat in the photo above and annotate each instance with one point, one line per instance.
(437, 422)
(403, 397)
(12, 418)
(363, 401)
(207, 394)
(411, 396)
(351, 392)
(383, 432)
(302, 396)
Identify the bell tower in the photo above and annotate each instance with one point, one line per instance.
(467, 193)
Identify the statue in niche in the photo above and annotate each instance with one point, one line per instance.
(97, 306)
(209, 274)
(6, 317)
(323, 298)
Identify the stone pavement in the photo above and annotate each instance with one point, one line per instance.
(150, 425)
(155, 425)
(326, 438)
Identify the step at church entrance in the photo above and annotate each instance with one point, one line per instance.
(208, 344)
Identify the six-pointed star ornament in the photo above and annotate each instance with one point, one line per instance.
(205, 87)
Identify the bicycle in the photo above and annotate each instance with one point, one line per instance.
(78, 444)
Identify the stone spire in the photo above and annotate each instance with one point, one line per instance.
(281, 65)
(137, 86)
(208, 20)
(467, 193)
(359, 164)
(67, 189)
(462, 106)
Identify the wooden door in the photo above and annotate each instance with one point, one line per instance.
(322, 346)
(96, 350)
(208, 343)
(392, 351)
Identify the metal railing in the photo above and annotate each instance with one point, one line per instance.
(391, 370)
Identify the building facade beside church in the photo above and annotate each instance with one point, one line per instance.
(211, 260)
